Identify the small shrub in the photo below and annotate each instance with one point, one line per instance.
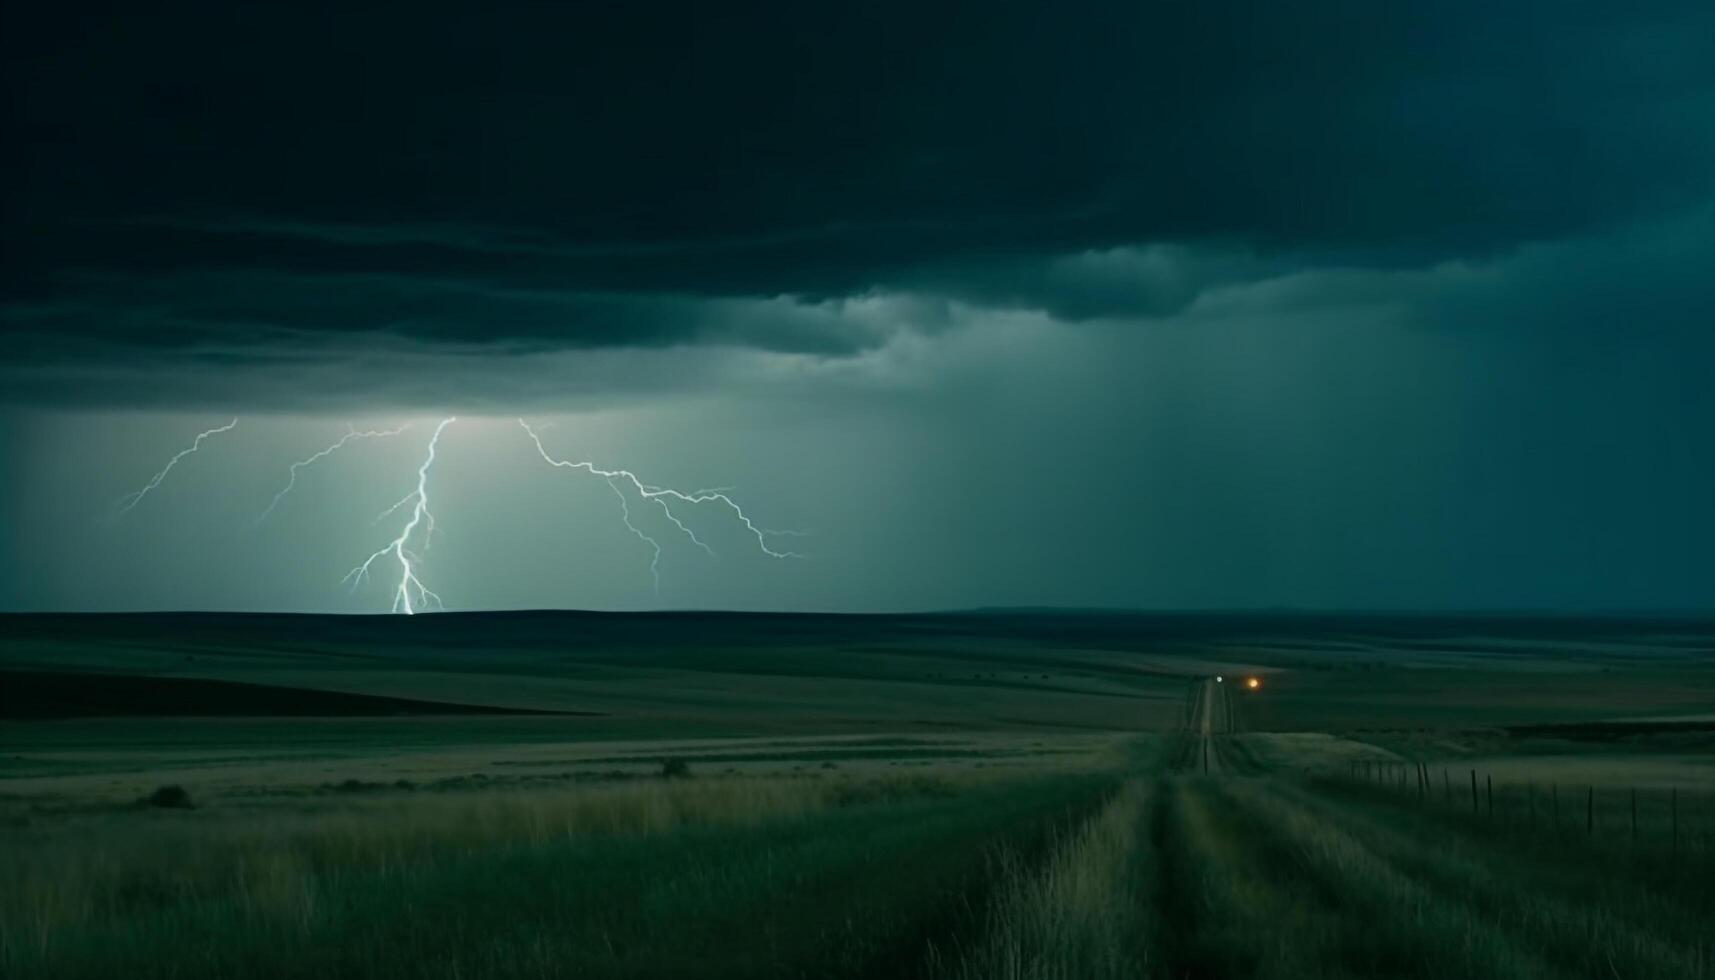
(170, 797)
(675, 769)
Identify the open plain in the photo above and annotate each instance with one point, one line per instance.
(1005, 794)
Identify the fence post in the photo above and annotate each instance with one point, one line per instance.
(1590, 811)
(1446, 786)
(1530, 803)
(1634, 815)
(1555, 789)
(1473, 791)
(1489, 789)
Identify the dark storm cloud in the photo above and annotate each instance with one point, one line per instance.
(1642, 282)
(231, 307)
(613, 175)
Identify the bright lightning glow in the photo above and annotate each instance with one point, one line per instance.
(351, 433)
(400, 503)
(410, 595)
(661, 496)
(409, 583)
(132, 499)
(655, 546)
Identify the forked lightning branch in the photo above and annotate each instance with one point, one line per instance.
(400, 560)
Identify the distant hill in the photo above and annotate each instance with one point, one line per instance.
(31, 694)
(724, 672)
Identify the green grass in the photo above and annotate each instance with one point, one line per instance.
(1030, 874)
(1587, 909)
(720, 878)
(710, 675)
(989, 809)
(1081, 915)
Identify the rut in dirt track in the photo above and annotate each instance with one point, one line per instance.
(1258, 872)
(1209, 720)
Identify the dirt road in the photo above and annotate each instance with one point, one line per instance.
(1212, 717)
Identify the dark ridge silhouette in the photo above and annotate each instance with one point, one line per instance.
(1608, 731)
(38, 695)
(380, 635)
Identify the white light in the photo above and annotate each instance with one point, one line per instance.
(661, 495)
(1217, 678)
(420, 515)
(292, 473)
(135, 497)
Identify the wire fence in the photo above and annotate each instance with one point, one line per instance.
(1671, 819)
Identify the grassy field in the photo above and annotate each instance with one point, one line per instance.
(988, 795)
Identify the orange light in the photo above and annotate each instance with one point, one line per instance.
(1252, 683)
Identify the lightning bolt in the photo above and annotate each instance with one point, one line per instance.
(135, 497)
(351, 433)
(410, 595)
(655, 558)
(661, 496)
(409, 583)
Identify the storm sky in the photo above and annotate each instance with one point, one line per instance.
(1337, 305)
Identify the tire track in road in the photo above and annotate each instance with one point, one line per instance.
(1261, 873)
(1209, 722)
(1538, 910)
(1225, 912)
(1387, 921)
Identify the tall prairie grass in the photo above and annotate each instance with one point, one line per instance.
(85, 868)
(1579, 905)
(1082, 915)
(717, 877)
